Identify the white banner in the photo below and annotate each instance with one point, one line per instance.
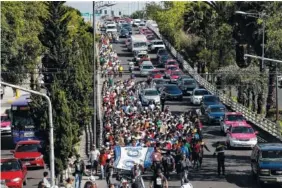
(126, 156)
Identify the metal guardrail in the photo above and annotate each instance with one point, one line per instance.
(261, 122)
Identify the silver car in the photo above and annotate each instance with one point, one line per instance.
(197, 96)
(149, 94)
(146, 68)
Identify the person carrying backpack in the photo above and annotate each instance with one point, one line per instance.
(168, 164)
(182, 168)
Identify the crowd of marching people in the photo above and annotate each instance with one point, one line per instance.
(177, 138)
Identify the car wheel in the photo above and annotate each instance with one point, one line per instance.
(181, 98)
(25, 182)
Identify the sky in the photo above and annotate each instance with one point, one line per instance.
(126, 7)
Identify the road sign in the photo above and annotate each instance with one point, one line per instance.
(87, 14)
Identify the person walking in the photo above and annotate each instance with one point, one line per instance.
(79, 169)
(109, 169)
(168, 164)
(159, 181)
(163, 99)
(45, 180)
(220, 153)
(183, 168)
(102, 160)
(94, 156)
(120, 70)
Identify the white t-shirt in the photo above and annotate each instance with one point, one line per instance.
(94, 155)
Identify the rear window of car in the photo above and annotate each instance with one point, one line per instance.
(4, 118)
(163, 52)
(28, 148)
(201, 92)
(158, 43)
(272, 154)
(8, 166)
(148, 67)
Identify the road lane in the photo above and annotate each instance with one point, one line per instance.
(238, 171)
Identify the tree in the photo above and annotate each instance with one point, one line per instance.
(139, 14)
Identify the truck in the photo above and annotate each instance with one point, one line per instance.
(138, 43)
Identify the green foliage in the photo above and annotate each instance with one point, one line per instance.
(139, 14)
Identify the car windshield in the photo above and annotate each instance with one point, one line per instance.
(189, 82)
(158, 43)
(140, 44)
(171, 88)
(235, 118)
(151, 92)
(242, 130)
(178, 73)
(217, 109)
(9, 166)
(28, 148)
(160, 81)
(201, 92)
(211, 99)
(148, 67)
(111, 27)
(4, 118)
(172, 63)
(172, 68)
(271, 154)
(150, 37)
(163, 52)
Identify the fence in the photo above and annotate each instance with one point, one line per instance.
(263, 123)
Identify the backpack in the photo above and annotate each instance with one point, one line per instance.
(197, 136)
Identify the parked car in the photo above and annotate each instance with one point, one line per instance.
(232, 118)
(146, 67)
(197, 96)
(175, 75)
(169, 70)
(214, 113)
(150, 94)
(156, 74)
(171, 92)
(155, 45)
(187, 85)
(5, 124)
(266, 163)
(30, 152)
(159, 83)
(241, 136)
(208, 100)
(161, 52)
(13, 173)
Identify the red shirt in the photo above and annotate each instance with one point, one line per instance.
(179, 126)
(103, 159)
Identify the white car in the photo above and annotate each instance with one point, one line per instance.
(150, 94)
(197, 96)
(136, 22)
(146, 68)
(155, 45)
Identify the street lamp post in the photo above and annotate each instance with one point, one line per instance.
(51, 131)
(276, 72)
(258, 15)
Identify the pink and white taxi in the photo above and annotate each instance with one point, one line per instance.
(232, 118)
(5, 124)
(241, 136)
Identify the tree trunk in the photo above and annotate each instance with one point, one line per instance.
(270, 104)
(240, 95)
(254, 101)
(260, 103)
(32, 80)
(249, 97)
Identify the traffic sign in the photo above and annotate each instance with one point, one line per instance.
(87, 14)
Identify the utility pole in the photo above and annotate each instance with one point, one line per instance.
(276, 72)
(51, 128)
(94, 79)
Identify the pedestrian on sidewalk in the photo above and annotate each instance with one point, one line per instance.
(45, 180)
(102, 160)
(109, 170)
(94, 156)
(80, 168)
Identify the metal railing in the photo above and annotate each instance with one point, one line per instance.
(261, 122)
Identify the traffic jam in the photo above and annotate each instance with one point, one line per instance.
(141, 99)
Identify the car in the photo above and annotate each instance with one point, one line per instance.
(136, 22)
(143, 59)
(127, 27)
(139, 55)
(187, 85)
(146, 68)
(232, 118)
(156, 74)
(169, 70)
(197, 95)
(175, 75)
(241, 136)
(30, 152)
(159, 83)
(142, 29)
(5, 124)
(161, 52)
(13, 173)
(148, 32)
(155, 45)
(266, 164)
(208, 100)
(150, 38)
(142, 24)
(171, 62)
(149, 94)
(123, 33)
(214, 113)
(162, 60)
(171, 92)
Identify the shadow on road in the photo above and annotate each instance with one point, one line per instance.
(7, 143)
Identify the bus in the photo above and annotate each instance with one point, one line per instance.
(23, 127)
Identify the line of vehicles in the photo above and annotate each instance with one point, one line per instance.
(168, 79)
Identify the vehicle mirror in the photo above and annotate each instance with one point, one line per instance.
(12, 151)
(256, 132)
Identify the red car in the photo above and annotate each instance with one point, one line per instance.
(13, 173)
(5, 124)
(155, 74)
(175, 75)
(169, 69)
(30, 153)
(171, 62)
(148, 32)
(142, 30)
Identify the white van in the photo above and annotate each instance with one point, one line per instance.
(111, 28)
(138, 43)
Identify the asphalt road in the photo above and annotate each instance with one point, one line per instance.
(238, 171)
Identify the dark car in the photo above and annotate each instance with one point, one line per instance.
(171, 92)
(209, 100)
(163, 59)
(159, 83)
(127, 27)
(266, 163)
(187, 85)
(123, 33)
(161, 52)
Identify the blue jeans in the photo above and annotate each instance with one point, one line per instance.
(78, 178)
(102, 171)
